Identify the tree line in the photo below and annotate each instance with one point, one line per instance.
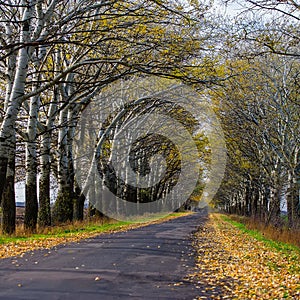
(260, 109)
(57, 56)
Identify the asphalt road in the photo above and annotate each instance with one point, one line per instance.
(145, 263)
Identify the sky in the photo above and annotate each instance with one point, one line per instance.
(230, 9)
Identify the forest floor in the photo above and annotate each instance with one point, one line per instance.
(235, 263)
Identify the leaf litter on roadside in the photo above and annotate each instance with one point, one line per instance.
(234, 265)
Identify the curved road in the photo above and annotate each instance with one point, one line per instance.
(145, 263)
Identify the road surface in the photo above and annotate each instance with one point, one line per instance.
(145, 263)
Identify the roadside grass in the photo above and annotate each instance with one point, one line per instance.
(234, 262)
(271, 232)
(49, 237)
(286, 248)
(62, 231)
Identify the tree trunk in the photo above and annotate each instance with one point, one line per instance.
(31, 204)
(248, 197)
(293, 205)
(63, 208)
(254, 201)
(75, 190)
(7, 133)
(44, 218)
(3, 170)
(79, 207)
(8, 197)
(44, 185)
(10, 74)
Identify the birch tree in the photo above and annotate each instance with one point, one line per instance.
(265, 27)
(99, 43)
(262, 130)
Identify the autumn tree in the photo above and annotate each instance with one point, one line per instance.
(259, 115)
(56, 55)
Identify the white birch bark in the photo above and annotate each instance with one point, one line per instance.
(11, 66)
(7, 131)
(31, 197)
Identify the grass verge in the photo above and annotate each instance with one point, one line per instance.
(235, 263)
(279, 246)
(280, 233)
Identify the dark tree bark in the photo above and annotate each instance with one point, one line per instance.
(31, 207)
(3, 169)
(8, 200)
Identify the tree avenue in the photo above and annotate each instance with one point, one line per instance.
(58, 56)
(262, 124)
(259, 108)
(55, 57)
